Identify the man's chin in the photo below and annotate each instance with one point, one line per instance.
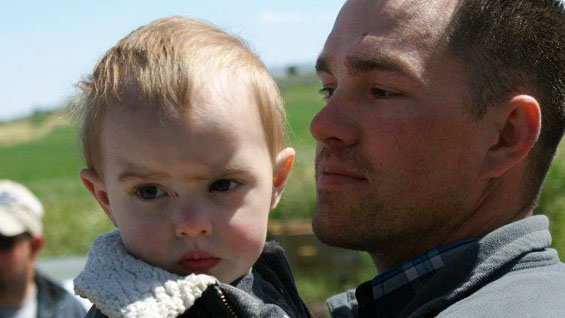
(336, 236)
(9, 288)
(343, 243)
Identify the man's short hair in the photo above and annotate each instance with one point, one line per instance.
(509, 47)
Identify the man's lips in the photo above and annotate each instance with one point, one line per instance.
(332, 176)
(198, 261)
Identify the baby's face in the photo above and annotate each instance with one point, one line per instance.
(190, 195)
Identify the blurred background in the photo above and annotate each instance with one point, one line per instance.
(49, 46)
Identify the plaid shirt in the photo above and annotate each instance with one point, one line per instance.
(389, 292)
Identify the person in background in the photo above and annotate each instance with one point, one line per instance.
(441, 121)
(24, 292)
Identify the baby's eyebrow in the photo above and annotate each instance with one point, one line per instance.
(218, 172)
(228, 171)
(207, 171)
(130, 174)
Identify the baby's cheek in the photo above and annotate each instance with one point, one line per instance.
(247, 240)
(145, 244)
(154, 240)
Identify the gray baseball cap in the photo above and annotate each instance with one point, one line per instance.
(20, 210)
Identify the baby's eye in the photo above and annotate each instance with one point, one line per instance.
(149, 192)
(222, 185)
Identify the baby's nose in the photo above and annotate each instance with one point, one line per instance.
(192, 223)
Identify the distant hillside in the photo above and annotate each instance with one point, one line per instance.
(304, 69)
(37, 125)
(41, 122)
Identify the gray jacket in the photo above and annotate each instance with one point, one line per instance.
(55, 302)
(511, 272)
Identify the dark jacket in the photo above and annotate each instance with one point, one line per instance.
(511, 272)
(268, 291)
(55, 302)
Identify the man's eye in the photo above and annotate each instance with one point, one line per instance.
(222, 185)
(149, 192)
(326, 92)
(384, 93)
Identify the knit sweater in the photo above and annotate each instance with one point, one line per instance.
(511, 272)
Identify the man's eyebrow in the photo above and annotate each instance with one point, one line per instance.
(322, 65)
(362, 64)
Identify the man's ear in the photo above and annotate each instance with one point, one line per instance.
(283, 166)
(519, 126)
(36, 242)
(96, 187)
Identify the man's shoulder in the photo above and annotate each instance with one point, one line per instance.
(54, 300)
(527, 292)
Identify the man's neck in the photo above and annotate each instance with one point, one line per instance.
(15, 298)
(499, 204)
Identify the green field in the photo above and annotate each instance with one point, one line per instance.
(49, 163)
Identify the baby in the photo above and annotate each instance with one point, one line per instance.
(183, 136)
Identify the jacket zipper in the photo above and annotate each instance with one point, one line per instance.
(225, 302)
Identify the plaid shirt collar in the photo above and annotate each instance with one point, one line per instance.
(416, 271)
(388, 293)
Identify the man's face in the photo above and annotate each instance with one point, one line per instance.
(397, 155)
(16, 262)
(191, 195)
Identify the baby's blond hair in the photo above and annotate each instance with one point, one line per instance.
(159, 64)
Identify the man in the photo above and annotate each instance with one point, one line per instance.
(441, 121)
(25, 293)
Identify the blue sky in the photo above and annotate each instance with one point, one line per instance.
(47, 46)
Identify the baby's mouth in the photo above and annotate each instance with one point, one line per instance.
(199, 261)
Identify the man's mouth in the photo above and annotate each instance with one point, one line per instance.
(199, 261)
(332, 171)
(338, 177)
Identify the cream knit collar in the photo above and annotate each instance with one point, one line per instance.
(123, 286)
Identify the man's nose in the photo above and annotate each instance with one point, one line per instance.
(192, 222)
(334, 125)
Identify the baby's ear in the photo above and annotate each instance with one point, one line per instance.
(96, 187)
(283, 165)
